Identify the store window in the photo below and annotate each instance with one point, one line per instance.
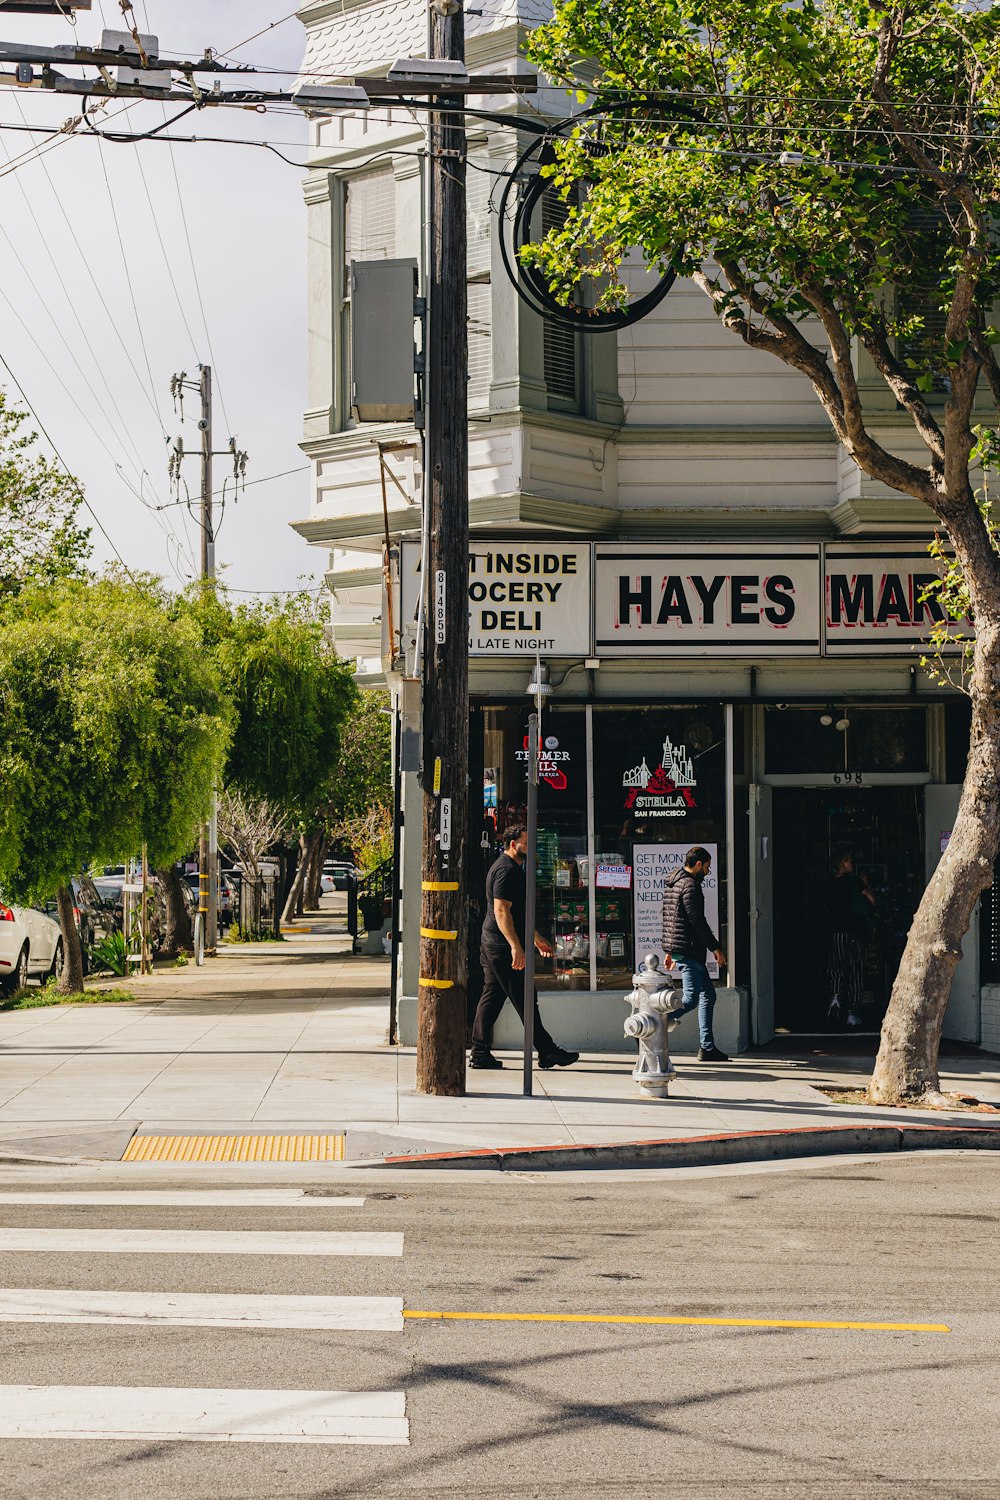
(563, 906)
(659, 782)
(659, 787)
(834, 739)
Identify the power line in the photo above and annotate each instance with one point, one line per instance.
(131, 290)
(69, 474)
(197, 283)
(71, 303)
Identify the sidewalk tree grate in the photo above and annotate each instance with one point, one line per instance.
(211, 1148)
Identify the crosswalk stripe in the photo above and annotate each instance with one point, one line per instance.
(185, 1198)
(158, 1413)
(201, 1310)
(199, 1242)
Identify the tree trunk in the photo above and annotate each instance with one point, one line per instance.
(71, 982)
(178, 937)
(906, 1068)
(294, 898)
(314, 889)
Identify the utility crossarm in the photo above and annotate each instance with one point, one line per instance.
(44, 7)
(376, 88)
(117, 57)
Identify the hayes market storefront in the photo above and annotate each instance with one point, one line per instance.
(765, 702)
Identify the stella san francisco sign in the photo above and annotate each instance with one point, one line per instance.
(636, 599)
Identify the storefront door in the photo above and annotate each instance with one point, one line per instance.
(761, 914)
(813, 830)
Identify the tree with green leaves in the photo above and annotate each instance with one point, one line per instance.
(828, 175)
(291, 696)
(113, 731)
(362, 784)
(41, 538)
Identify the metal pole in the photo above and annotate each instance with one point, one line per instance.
(530, 866)
(730, 847)
(145, 966)
(397, 877)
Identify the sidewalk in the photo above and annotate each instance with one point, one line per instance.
(291, 1038)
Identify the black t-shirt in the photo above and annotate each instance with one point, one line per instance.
(505, 882)
(846, 905)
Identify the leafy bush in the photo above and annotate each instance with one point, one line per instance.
(110, 953)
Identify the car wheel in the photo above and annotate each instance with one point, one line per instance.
(19, 974)
(58, 961)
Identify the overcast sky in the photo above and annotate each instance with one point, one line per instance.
(95, 354)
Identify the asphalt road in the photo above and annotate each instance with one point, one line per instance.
(536, 1409)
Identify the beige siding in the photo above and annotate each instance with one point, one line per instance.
(680, 366)
(761, 475)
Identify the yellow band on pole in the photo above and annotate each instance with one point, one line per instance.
(439, 885)
(434, 932)
(438, 984)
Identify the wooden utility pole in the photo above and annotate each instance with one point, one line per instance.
(441, 1016)
(208, 851)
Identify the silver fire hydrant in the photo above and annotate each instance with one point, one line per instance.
(652, 999)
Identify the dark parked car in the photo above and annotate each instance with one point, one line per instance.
(227, 895)
(96, 913)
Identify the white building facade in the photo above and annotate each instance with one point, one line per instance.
(729, 611)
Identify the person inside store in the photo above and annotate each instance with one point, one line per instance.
(687, 939)
(850, 914)
(502, 957)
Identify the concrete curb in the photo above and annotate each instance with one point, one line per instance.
(714, 1150)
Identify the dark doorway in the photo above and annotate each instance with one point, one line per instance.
(882, 826)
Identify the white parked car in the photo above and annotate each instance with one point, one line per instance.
(30, 943)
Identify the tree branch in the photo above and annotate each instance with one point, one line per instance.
(905, 391)
(789, 345)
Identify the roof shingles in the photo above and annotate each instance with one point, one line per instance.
(365, 37)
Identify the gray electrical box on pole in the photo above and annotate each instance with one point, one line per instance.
(383, 308)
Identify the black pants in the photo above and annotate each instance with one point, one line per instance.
(501, 981)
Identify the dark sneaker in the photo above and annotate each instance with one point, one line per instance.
(711, 1054)
(484, 1060)
(560, 1058)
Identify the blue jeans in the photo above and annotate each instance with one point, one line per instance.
(698, 990)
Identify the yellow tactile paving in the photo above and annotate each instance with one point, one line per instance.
(235, 1148)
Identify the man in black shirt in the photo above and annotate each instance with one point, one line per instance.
(502, 957)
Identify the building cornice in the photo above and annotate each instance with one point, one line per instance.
(756, 433)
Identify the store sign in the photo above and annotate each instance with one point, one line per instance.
(524, 596)
(551, 760)
(651, 864)
(792, 599)
(667, 792)
(613, 877)
(697, 600)
(874, 598)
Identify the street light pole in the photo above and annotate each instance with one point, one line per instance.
(530, 877)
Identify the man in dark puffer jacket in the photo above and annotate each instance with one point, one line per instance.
(686, 939)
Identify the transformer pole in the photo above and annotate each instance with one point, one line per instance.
(208, 848)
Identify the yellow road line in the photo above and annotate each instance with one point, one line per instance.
(327, 1147)
(512, 1317)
